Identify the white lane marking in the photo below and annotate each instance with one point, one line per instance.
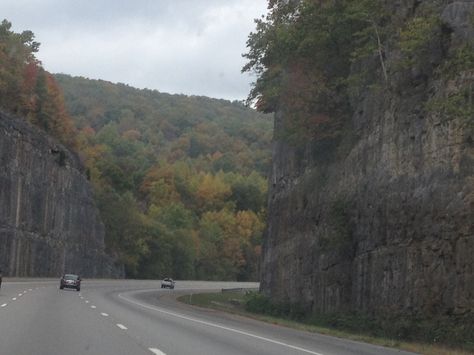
(93, 307)
(20, 294)
(14, 299)
(121, 326)
(30, 289)
(4, 305)
(104, 314)
(28, 283)
(156, 351)
(177, 315)
(87, 301)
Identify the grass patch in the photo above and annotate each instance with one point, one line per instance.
(226, 300)
(353, 327)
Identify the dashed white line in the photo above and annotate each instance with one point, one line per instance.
(104, 314)
(14, 299)
(121, 326)
(4, 305)
(93, 307)
(214, 325)
(156, 351)
(20, 294)
(30, 289)
(86, 301)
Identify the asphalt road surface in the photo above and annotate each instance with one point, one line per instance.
(129, 317)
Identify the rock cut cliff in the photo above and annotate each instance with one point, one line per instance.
(49, 223)
(387, 227)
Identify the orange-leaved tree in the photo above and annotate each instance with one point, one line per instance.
(27, 90)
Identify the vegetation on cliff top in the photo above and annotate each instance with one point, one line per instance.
(302, 53)
(312, 57)
(27, 90)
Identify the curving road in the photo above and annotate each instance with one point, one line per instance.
(128, 317)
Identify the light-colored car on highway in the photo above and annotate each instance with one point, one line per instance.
(167, 283)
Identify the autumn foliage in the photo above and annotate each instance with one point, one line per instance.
(27, 90)
(180, 181)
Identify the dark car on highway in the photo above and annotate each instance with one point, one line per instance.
(70, 281)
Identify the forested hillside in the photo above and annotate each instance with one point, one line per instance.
(180, 181)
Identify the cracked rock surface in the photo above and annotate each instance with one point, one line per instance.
(49, 223)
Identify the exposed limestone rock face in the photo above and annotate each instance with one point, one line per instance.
(48, 221)
(387, 228)
(458, 16)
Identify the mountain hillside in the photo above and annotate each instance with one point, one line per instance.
(180, 180)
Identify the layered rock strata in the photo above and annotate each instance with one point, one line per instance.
(387, 227)
(49, 223)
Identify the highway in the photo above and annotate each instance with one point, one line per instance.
(131, 317)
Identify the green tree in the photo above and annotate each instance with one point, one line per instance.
(302, 54)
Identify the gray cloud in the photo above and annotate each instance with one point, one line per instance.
(182, 46)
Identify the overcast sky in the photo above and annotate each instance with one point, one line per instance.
(191, 47)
